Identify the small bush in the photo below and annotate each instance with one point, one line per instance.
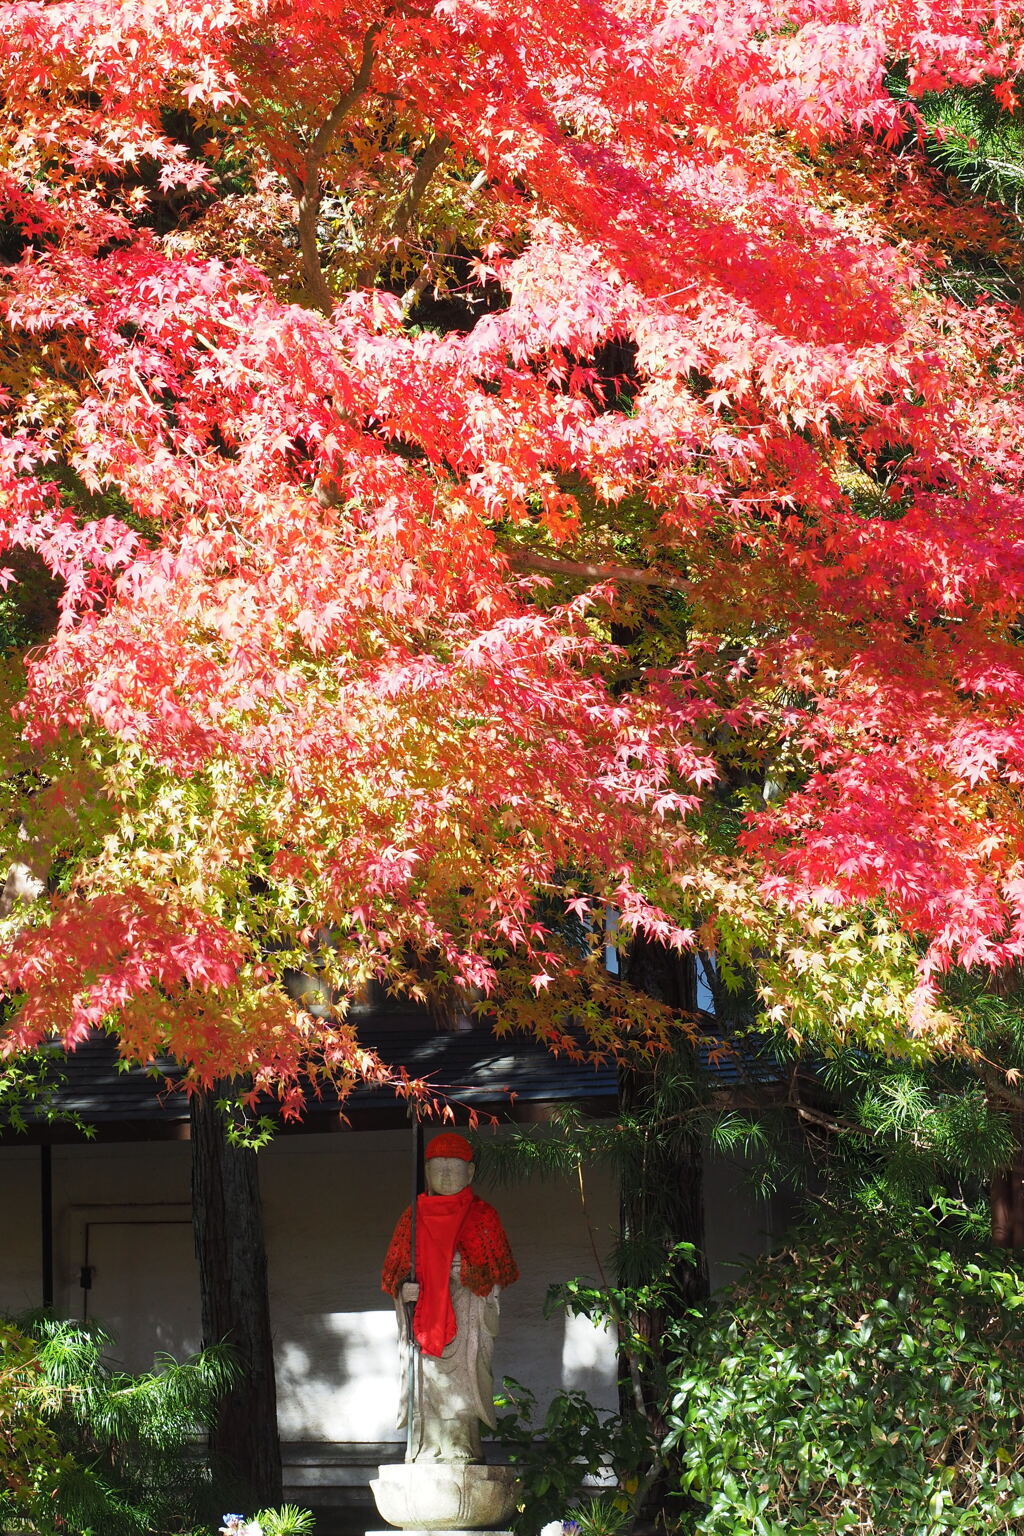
(869, 1381)
(88, 1449)
(30, 1456)
(289, 1520)
(575, 1441)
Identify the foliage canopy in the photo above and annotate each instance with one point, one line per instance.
(369, 371)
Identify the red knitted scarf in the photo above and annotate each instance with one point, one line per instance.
(439, 1220)
(486, 1258)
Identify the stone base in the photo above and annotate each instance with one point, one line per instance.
(457, 1497)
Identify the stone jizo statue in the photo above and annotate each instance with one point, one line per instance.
(463, 1261)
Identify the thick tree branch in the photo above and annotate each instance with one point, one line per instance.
(997, 1085)
(308, 199)
(406, 210)
(827, 1123)
(416, 289)
(526, 560)
(23, 883)
(816, 1117)
(26, 876)
(446, 244)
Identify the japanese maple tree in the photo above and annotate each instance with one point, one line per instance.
(339, 678)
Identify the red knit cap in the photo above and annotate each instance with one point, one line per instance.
(449, 1144)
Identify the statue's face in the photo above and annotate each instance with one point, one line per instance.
(447, 1175)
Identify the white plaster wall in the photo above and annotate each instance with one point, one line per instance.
(116, 1175)
(328, 1208)
(553, 1237)
(20, 1269)
(330, 1205)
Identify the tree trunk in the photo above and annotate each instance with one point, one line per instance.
(228, 1224)
(663, 1202)
(1006, 1189)
(1006, 1195)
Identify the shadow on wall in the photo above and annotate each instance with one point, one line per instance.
(588, 1358)
(338, 1379)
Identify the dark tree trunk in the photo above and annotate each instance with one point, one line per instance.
(663, 1200)
(1006, 1196)
(1006, 1189)
(228, 1224)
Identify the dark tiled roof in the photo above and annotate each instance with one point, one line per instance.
(512, 1076)
(738, 1062)
(475, 1070)
(480, 1068)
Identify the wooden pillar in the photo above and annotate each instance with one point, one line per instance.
(46, 1223)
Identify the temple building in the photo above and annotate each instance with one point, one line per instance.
(101, 1229)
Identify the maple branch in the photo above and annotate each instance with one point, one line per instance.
(526, 560)
(309, 196)
(826, 1122)
(446, 244)
(406, 210)
(816, 1116)
(997, 1085)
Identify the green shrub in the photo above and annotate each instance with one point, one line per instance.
(869, 1381)
(552, 1458)
(289, 1520)
(30, 1456)
(115, 1454)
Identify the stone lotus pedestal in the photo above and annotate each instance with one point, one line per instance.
(444, 1496)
